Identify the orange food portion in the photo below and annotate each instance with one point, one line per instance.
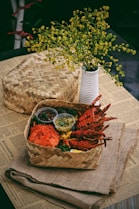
(44, 135)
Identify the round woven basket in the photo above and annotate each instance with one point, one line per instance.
(54, 157)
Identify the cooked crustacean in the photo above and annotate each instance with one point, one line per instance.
(90, 127)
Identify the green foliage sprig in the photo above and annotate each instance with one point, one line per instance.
(84, 41)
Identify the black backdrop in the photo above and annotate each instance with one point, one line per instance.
(124, 20)
(124, 17)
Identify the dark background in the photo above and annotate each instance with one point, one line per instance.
(124, 17)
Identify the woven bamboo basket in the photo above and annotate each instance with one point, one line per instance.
(54, 157)
(34, 80)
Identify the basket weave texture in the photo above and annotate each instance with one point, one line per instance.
(54, 157)
(35, 80)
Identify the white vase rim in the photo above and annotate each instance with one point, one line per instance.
(89, 71)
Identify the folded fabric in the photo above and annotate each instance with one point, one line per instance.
(72, 188)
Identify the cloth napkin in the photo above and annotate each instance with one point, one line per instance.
(76, 188)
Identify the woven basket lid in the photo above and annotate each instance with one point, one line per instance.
(34, 80)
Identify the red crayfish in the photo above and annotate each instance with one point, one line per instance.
(89, 130)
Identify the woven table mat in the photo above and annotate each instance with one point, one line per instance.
(34, 80)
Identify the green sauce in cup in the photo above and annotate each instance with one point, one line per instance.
(64, 122)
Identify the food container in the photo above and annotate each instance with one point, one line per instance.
(45, 115)
(42, 156)
(64, 122)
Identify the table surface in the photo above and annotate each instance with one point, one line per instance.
(12, 124)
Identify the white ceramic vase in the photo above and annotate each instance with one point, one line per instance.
(89, 86)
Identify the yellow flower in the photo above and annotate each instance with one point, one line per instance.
(83, 39)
